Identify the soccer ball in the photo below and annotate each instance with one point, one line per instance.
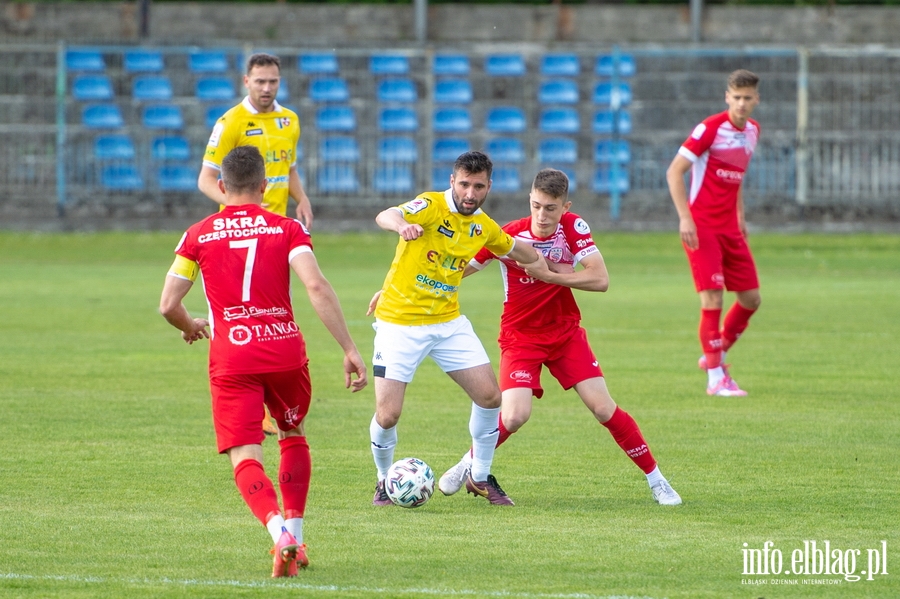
(409, 482)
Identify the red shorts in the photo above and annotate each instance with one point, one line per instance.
(237, 404)
(565, 351)
(723, 261)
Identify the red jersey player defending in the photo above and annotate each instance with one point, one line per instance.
(712, 226)
(257, 355)
(541, 325)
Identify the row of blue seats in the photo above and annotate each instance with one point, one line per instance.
(342, 179)
(501, 119)
(499, 65)
(390, 149)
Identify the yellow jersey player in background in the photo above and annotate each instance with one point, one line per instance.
(259, 120)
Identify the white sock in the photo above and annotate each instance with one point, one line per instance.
(715, 375)
(295, 527)
(383, 443)
(274, 527)
(485, 430)
(655, 477)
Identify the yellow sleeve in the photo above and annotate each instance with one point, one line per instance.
(221, 141)
(499, 241)
(184, 268)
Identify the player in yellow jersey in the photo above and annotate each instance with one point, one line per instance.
(418, 315)
(259, 120)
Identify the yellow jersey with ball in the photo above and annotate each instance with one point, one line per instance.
(274, 133)
(422, 284)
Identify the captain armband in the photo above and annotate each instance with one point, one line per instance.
(184, 268)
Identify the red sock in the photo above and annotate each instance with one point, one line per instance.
(293, 475)
(736, 321)
(625, 431)
(257, 490)
(504, 434)
(710, 337)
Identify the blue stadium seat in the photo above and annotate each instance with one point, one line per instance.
(457, 91)
(452, 120)
(209, 61)
(505, 149)
(558, 91)
(386, 64)
(559, 120)
(213, 113)
(603, 181)
(604, 65)
(331, 89)
(214, 89)
(85, 60)
(337, 178)
(122, 177)
(603, 93)
(506, 119)
(162, 116)
(504, 65)
(558, 149)
(397, 149)
(505, 179)
(113, 147)
(448, 149)
(336, 118)
(397, 119)
(92, 87)
(560, 65)
(102, 116)
(151, 87)
(603, 122)
(170, 147)
(450, 64)
(440, 176)
(393, 179)
(396, 90)
(176, 178)
(283, 94)
(143, 61)
(609, 151)
(317, 64)
(339, 149)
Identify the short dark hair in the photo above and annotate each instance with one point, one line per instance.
(743, 78)
(261, 59)
(553, 182)
(473, 163)
(243, 169)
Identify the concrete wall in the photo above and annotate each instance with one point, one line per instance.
(350, 25)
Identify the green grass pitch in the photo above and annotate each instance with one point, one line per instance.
(110, 485)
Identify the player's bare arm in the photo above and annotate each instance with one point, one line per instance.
(296, 191)
(678, 190)
(208, 184)
(742, 221)
(592, 277)
(523, 254)
(327, 306)
(173, 310)
(392, 219)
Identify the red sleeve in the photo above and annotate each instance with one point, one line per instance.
(703, 136)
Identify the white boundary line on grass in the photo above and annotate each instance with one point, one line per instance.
(252, 584)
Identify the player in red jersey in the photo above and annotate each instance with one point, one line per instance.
(257, 355)
(541, 325)
(712, 225)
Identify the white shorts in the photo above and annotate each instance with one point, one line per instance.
(399, 349)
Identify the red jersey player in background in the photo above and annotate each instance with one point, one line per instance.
(712, 226)
(541, 325)
(257, 355)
